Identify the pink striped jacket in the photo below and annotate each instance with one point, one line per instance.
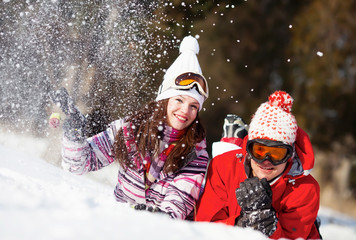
(175, 193)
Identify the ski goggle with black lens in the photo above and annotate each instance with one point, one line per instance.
(188, 80)
(276, 152)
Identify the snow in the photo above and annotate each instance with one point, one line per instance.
(41, 201)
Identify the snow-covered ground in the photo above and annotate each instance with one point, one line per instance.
(41, 201)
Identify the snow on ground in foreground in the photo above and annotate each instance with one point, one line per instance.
(41, 201)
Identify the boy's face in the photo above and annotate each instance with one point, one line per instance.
(266, 169)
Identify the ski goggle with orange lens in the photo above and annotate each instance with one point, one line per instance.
(276, 152)
(188, 80)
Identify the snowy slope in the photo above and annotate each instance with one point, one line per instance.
(41, 201)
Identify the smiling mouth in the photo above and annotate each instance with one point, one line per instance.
(181, 118)
(266, 168)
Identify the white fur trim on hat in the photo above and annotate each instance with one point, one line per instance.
(186, 62)
(273, 120)
(176, 92)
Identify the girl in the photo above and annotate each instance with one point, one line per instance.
(161, 149)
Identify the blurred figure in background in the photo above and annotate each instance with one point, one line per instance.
(234, 131)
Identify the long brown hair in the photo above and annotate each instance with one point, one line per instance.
(147, 121)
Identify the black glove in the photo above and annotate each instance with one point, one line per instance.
(142, 206)
(263, 220)
(254, 194)
(255, 199)
(150, 209)
(74, 127)
(74, 124)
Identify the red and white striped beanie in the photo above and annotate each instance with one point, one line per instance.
(273, 120)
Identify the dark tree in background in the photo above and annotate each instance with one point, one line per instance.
(324, 69)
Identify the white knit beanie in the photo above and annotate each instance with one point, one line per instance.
(273, 120)
(186, 62)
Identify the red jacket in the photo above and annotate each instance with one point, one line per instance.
(295, 194)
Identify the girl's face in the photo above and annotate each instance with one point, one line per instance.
(181, 111)
(266, 169)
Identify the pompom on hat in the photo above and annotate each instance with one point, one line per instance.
(273, 120)
(186, 62)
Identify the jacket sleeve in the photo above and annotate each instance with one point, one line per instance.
(183, 192)
(299, 210)
(212, 206)
(92, 154)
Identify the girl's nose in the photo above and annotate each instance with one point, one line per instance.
(185, 108)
